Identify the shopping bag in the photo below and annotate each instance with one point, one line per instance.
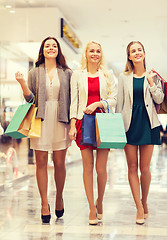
(88, 131)
(162, 108)
(110, 132)
(20, 124)
(35, 127)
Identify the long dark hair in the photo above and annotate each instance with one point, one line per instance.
(60, 59)
(129, 64)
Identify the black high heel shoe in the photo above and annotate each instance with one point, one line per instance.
(46, 218)
(59, 213)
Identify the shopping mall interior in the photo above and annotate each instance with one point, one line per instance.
(112, 23)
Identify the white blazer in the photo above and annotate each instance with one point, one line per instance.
(79, 92)
(125, 99)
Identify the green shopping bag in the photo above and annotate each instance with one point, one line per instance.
(110, 132)
(20, 124)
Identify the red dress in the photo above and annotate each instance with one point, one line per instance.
(93, 96)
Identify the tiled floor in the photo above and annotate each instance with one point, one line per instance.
(20, 206)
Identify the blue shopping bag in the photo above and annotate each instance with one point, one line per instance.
(88, 132)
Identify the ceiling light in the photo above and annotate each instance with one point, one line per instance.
(8, 6)
(12, 11)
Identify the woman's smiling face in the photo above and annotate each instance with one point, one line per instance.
(136, 53)
(93, 53)
(50, 49)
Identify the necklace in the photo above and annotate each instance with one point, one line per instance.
(51, 75)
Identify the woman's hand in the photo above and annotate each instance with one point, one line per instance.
(150, 76)
(20, 78)
(92, 107)
(73, 133)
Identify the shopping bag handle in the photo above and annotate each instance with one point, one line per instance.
(107, 105)
(32, 100)
(158, 75)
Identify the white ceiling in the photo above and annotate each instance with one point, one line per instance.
(114, 23)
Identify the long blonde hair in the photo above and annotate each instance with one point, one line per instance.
(129, 64)
(101, 65)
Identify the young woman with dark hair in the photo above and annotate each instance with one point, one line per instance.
(49, 85)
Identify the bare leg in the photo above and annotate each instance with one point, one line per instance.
(132, 161)
(101, 165)
(42, 178)
(88, 165)
(59, 175)
(146, 152)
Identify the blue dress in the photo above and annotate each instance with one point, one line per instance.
(140, 132)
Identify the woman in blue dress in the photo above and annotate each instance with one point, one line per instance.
(137, 92)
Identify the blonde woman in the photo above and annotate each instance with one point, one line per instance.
(137, 92)
(91, 87)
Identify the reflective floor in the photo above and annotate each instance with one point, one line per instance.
(20, 205)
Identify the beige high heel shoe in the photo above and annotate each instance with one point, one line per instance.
(145, 215)
(99, 215)
(93, 221)
(139, 221)
(145, 207)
